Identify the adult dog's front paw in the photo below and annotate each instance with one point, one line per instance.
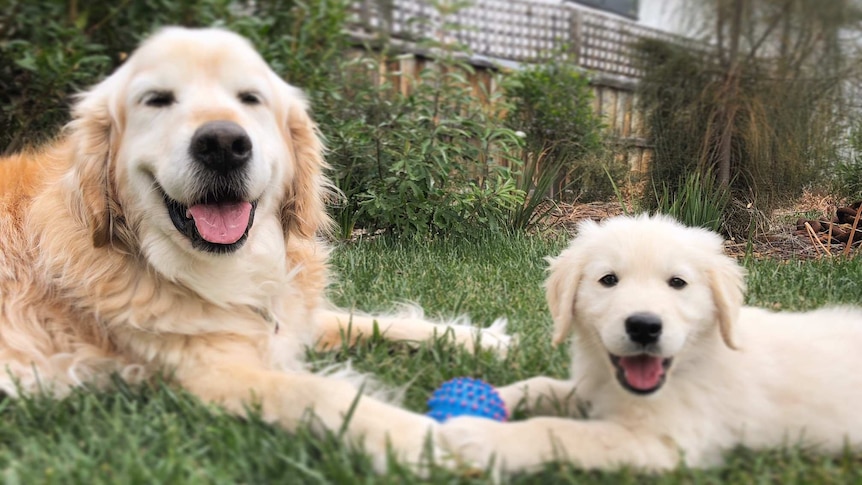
(412, 439)
(486, 444)
(472, 337)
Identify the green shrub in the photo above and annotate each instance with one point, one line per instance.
(304, 41)
(552, 107)
(429, 162)
(43, 59)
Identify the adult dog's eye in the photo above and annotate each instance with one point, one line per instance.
(609, 280)
(249, 98)
(676, 283)
(159, 99)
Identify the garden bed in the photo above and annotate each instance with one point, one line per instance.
(781, 238)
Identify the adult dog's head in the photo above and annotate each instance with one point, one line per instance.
(193, 149)
(642, 294)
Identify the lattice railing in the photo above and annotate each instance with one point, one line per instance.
(516, 30)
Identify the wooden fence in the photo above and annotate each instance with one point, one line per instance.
(511, 32)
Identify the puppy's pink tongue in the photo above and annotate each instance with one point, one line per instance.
(221, 223)
(642, 371)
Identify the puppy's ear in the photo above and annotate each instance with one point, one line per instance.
(727, 283)
(303, 208)
(561, 287)
(93, 132)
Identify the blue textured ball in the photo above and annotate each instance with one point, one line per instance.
(465, 396)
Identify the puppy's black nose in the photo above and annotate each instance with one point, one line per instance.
(643, 328)
(221, 145)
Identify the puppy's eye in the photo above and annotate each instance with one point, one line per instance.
(249, 98)
(677, 283)
(159, 99)
(609, 280)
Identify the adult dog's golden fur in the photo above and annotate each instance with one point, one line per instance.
(668, 366)
(173, 228)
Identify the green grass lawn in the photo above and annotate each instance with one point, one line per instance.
(153, 434)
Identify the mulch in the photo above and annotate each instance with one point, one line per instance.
(781, 240)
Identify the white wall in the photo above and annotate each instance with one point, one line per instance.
(668, 15)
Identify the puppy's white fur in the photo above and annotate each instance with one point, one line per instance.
(739, 375)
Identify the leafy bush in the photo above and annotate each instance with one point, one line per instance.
(423, 163)
(303, 41)
(552, 107)
(43, 58)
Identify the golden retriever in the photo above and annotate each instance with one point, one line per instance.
(173, 228)
(668, 366)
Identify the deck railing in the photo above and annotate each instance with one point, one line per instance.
(521, 31)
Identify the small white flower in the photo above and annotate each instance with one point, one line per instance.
(520, 134)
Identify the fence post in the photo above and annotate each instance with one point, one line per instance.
(384, 10)
(575, 36)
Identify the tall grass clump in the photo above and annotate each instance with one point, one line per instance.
(778, 139)
(846, 174)
(698, 201)
(760, 101)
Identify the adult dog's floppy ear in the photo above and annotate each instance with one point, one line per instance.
(303, 210)
(93, 132)
(727, 283)
(561, 288)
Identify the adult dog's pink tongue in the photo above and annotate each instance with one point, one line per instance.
(642, 371)
(221, 223)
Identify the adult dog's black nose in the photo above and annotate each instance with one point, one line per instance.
(643, 328)
(221, 145)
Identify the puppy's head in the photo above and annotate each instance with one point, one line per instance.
(640, 293)
(194, 144)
